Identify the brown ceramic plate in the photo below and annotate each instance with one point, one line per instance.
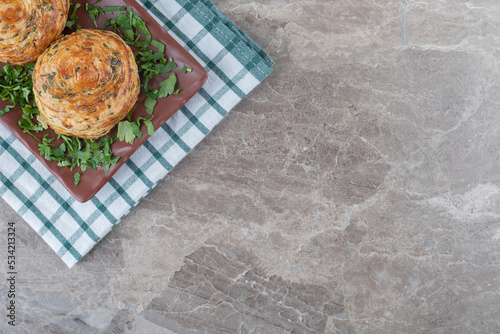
(93, 180)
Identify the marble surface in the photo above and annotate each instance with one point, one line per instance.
(357, 190)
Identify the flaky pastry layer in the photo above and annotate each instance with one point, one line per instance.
(85, 83)
(27, 27)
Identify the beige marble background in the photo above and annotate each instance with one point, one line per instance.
(357, 190)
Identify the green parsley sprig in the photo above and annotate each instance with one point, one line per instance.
(128, 130)
(94, 12)
(75, 152)
(72, 17)
(16, 86)
(150, 64)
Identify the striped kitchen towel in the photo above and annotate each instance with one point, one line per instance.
(235, 65)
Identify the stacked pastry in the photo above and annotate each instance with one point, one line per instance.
(28, 27)
(85, 83)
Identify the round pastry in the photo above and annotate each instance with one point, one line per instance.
(85, 83)
(27, 27)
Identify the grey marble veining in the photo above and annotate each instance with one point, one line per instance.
(357, 190)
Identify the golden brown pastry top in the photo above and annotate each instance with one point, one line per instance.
(85, 83)
(27, 27)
